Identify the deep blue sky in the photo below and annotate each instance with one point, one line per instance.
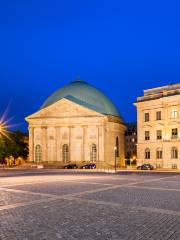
(121, 47)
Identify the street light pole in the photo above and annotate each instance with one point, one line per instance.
(115, 151)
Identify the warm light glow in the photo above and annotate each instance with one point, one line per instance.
(5, 123)
(3, 129)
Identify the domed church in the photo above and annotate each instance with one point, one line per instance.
(76, 124)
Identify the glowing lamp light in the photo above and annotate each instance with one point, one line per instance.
(3, 129)
(115, 148)
(5, 124)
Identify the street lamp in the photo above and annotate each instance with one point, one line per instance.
(5, 124)
(115, 153)
(130, 161)
(1, 128)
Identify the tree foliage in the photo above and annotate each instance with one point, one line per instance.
(3, 149)
(14, 146)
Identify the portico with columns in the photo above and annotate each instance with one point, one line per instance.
(67, 131)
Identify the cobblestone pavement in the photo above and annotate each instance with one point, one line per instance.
(54, 205)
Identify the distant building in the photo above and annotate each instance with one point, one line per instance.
(77, 123)
(131, 141)
(158, 121)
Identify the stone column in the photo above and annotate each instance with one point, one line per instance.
(98, 143)
(58, 154)
(101, 144)
(31, 144)
(44, 143)
(70, 152)
(84, 158)
(55, 146)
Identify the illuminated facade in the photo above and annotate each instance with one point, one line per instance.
(158, 126)
(77, 123)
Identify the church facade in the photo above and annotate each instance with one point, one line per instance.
(76, 124)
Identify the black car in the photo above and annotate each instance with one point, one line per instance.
(145, 167)
(71, 166)
(88, 166)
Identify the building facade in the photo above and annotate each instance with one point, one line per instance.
(131, 141)
(77, 123)
(158, 127)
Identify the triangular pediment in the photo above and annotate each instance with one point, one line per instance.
(62, 109)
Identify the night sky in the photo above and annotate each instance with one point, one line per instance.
(121, 47)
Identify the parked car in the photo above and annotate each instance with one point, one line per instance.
(145, 167)
(88, 166)
(70, 166)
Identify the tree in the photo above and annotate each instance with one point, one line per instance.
(17, 146)
(3, 150)
(14, 146)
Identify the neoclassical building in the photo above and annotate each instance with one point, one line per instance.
(158, 125)
(77, 123)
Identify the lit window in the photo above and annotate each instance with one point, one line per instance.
(158, 115)
(147, 135)
(146, 117)
(159, 134)
(174, 133)
(174, 113)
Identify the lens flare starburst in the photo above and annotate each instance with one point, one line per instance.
(5, 123)
(3, 129)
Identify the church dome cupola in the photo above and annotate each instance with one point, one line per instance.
(86, 95)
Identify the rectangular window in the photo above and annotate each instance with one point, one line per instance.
(146, 117)
(147, 155)
(158, 115)
(159, 134)
(174, 166)
(174, 113)
(174, 133)
(159, 154)
(147, 135)
(174, 153)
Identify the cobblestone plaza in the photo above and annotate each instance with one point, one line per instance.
(54, 204)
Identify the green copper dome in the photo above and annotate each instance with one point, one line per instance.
(86, 95)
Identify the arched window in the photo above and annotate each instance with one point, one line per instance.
(117, 147)
(159, 153)
(38, 153)
(174, 153)
(93, 153)
(147, 153)
(65, 153)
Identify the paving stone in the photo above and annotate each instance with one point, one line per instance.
(105, 213)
